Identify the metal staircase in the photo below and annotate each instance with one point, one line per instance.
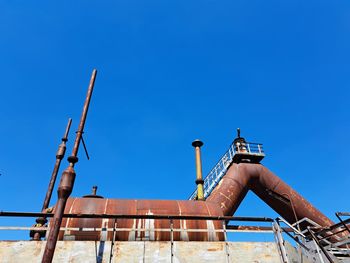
(319, 244)
(239, 151)
(334, 241)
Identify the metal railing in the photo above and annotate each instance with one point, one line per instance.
(220, 169)
(320, 251)
(146, 228)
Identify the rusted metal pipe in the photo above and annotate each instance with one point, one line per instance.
(73, 158)
(59, 156)
(67, 180)
(197, 144)
(94, 190)
(41, 221)
(242, 177)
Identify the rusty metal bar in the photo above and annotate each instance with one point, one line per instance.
(255, 228)
(339, 214)
(131, 216)
(59, 156)
(67, 180)
(335, 226)
(83, 118)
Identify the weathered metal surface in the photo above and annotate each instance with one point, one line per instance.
(272, 190)
(142, 207)
(148, 252)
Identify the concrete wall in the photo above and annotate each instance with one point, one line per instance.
(143, 252)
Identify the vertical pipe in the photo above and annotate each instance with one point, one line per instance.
(197, 144)
(94, 190)
(67, 180)
(59, 156)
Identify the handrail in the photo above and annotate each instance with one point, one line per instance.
(275, 228)
(110, 229)
(135, 216)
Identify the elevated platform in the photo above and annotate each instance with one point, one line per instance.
(148, 252)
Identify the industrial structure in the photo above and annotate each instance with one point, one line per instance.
(96, 229)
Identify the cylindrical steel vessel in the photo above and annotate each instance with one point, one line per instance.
(142, 207)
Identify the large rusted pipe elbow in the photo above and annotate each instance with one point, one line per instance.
(271, 189)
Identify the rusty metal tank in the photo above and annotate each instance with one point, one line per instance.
(92, 205)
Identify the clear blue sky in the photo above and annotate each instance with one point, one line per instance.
(171, 72)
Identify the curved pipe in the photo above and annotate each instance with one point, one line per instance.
(242, 177)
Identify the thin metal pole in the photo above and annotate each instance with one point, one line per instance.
(41, 221)
(83, 119)
(59, 156)
(67, 180)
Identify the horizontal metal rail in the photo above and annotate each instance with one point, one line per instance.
(119, 216)
(343, 213)
(327, 229)
(94, 229)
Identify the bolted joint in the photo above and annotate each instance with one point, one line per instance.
(199, 181)
(66, 184)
